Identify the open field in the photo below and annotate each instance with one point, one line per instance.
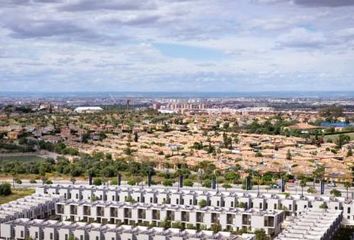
(16, 194)
(334, 137)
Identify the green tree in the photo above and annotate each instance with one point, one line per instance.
(318, 174)
(342, 140)
(347, 185)
(331, 113)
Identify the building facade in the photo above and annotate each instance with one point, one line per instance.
(293, 204)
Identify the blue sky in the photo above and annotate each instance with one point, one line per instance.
(176, 45)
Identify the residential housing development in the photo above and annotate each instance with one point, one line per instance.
(86, 212)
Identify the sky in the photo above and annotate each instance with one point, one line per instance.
(176, 45)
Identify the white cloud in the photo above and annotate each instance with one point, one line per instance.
(302, 38)
(109, 45)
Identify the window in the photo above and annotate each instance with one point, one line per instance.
(36, 235)
(97, 238)
(260, 205)
(21, 233)
(232, 204)
(77, 196)
(190, 201)
(217, 203)
(81, 237)
(348, 210)
(66, 236)
(51, 236)
(112, 198)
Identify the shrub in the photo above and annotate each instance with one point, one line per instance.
(114, 181)
(97, 181)
(177, 225)
(207, 183)
(33, 181)
(18, 181)
(168, 182)
(188, 183)
(132, 182)
(202, 203)
(49, 181)
(261, 235)
(324, 205)
(336, 193)
(5, 189)
(216, 227)
(311, 190)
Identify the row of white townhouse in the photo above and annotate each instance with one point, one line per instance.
(294, 204)
(313, 224)
(159, 214)
(53, 230)
(34, 206)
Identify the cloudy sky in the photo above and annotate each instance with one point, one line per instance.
(176, 45)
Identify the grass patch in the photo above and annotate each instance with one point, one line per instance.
(16, 194)
(20, 158)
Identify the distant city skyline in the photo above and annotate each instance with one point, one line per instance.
(176, 46)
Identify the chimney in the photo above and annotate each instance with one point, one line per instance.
(248, 183)
(283, 185)
(322, 187)
(90, 179)
(180, 183)
(149, 178)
